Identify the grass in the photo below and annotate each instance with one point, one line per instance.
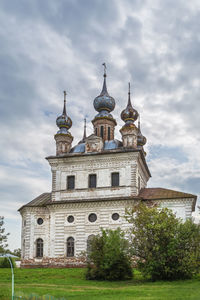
(71, 284)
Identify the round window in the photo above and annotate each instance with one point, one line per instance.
(70, 219)
(40, 221)
(92, 217)
(115, 216)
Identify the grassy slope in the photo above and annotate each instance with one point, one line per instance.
(70, 283)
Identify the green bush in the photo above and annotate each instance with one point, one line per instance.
(4, 262)
(167, 248)
(109, 258)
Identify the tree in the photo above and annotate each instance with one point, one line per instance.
(17, 252)
(108, 258)
(166, 247)
(3, 236)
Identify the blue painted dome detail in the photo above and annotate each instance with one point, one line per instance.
(80, 148)
(64, 122)
(113, 144)
(104, 102)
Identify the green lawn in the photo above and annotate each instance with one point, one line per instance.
(71, 284)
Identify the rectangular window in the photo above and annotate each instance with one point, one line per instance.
(115, 179)
(96, 131)
(102, 132)
(92, 180)
(109, 133)
(70, 182)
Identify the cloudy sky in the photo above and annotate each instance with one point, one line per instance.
(51, 46)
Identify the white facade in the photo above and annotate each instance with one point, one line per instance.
(104, 201)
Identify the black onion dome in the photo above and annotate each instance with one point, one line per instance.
(129, 113)
(141, 140)
(64, 121)
(104, 101)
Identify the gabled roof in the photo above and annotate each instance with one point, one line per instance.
(41, 200)
(161, 193)
(145, 194)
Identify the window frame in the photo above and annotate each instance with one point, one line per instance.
(90, 186)
(68, 187)
(70, 247)
(112, 179)
(95, 217)
(39, 248)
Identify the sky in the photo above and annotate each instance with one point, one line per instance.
(47, 47)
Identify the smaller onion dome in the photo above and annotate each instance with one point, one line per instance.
(104, 101)
(141, 140)
(129, 114)
(64, 122)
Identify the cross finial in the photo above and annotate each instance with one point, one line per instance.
(64, 107)
(65, 94)
(84, 133)
(104, 64)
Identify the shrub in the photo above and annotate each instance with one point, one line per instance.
(4, 262)
(109, 258)
(166, 247)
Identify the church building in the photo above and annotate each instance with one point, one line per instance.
(93, 183)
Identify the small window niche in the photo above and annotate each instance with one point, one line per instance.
(70, 182)
(115, 179)
(102, 131)
(108, 133)
(92, 181)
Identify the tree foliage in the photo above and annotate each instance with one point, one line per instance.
(4, 262)
(108, 258)
(3, 236)
(166, 247)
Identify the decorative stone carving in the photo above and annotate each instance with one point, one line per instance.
(94, 144)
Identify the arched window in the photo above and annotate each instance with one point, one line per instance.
(39, 248)
(90, 237)
(70, 247)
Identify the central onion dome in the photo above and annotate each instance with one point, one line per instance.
(129, 114)
(104, 103)
(63, 121)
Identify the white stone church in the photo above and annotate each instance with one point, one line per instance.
(92, 185)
